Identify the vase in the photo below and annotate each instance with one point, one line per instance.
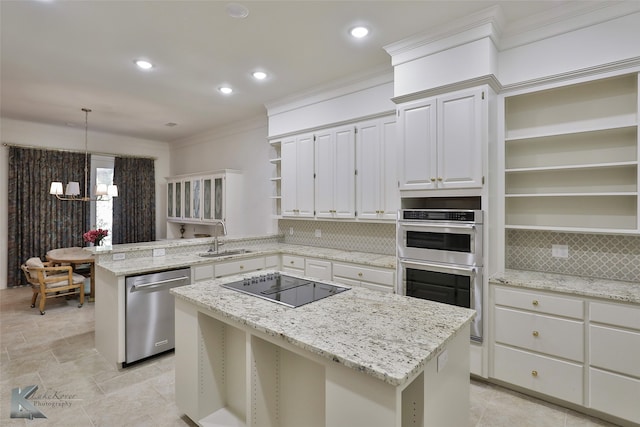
(98, 242)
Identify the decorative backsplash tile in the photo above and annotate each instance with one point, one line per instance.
(590, 255)
(378, 238)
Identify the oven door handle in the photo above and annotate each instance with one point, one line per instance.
(440, 268)
(438, 225)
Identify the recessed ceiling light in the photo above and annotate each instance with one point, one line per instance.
(226, 90)
(259, 75)
(236, 10)
(359, 32)
(145, 65)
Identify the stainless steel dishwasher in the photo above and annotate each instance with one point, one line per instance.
(149, 317)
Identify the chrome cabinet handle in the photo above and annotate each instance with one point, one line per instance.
(535, 333)
(534, 373)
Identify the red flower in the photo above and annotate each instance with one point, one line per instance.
(94, 236)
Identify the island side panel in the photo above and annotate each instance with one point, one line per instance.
(447, 384)
(109, 316)
(356, 399)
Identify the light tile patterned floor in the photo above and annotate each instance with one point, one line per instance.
(56, 352)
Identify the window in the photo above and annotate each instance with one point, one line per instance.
(102, 210)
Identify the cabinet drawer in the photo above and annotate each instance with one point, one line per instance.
(543, 374)
(272, 261)
(615, 314)
(540, 303)
(550, 335)
(614, 394)
(202, 272)
(239, 266)
(366, 274)
(318, 269)
(292, 261)
(615, 349)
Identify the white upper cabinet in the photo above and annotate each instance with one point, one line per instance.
(297, 168)
(571, 157)
(335, 173)
(206, 198)
(377, 194)
(442, 140)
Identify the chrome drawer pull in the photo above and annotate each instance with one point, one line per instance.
(535, 302)
(534, 373)
(535, 333)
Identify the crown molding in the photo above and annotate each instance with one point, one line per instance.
(486, 23)
(630, 65)
(488, 79)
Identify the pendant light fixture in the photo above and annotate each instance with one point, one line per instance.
(72, 190)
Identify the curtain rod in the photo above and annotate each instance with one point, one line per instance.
(64, 150)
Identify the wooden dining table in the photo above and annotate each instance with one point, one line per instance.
(75, 256)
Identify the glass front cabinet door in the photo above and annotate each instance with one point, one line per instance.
(213, 198)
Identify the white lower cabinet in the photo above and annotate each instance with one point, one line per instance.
(568, 347)
(202, 272)
(539, 342)
(548, 375)
(317, 268)
(244, 265)
(614, 359)
(293, 264)
(378, 279)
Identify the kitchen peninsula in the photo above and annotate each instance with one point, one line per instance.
(357, 358)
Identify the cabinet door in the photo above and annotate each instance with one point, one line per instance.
(297, 176)
(219, 198)
(170, 198)
(369, 165)
(324, 169)
(207, 198)
(460, 139)
(377, 181)
(417, 165)
(334, 168)
(177, 205)
(318, 269)
(192, 196)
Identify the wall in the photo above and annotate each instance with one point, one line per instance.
(348, 102)
(62, 137)
(242, 146)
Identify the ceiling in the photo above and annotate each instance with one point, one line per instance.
(60, 56)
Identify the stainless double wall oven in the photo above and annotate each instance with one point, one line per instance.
(440, 258)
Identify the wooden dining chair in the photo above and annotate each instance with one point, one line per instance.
(52, 281)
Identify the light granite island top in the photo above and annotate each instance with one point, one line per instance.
(359, 343)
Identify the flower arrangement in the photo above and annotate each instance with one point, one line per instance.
(95, 236)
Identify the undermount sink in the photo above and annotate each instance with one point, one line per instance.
(223, 253)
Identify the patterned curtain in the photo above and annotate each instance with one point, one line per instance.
(38, 221)
(134, 210)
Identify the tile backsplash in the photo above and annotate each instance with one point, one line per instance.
(604, 256)
(378, 238)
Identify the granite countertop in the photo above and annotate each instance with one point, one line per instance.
(583, 286)
(130, 266)
(400, 336)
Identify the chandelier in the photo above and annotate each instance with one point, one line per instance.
(72, 190)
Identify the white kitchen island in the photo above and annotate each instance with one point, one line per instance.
(360, 358)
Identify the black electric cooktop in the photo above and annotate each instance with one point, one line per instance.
(286, 290)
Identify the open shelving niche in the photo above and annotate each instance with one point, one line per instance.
(276, 178)
(247, 380)
(571, 158)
